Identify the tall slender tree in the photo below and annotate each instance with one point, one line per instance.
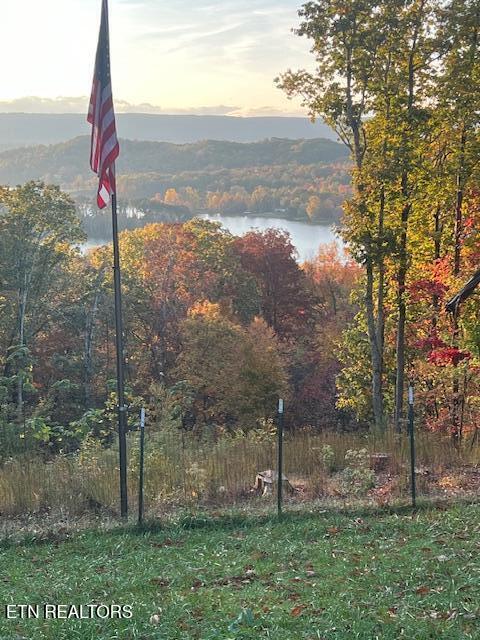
(359, 47)
(37, 226)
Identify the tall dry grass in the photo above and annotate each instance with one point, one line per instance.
(181, 469)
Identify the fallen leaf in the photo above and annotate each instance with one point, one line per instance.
(297, 611)
(333, 531)
(160, 582)
(168, 542)
(237, 580)
(197, 584)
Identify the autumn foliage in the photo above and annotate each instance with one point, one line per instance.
(217, 328)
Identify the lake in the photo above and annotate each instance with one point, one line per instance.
(306, 238)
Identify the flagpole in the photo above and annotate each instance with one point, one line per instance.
(103, 152)
(122, 409)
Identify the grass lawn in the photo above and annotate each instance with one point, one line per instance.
(325, 576)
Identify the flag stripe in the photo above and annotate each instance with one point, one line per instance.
(104, 149)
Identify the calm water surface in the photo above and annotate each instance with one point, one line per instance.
(306, 238)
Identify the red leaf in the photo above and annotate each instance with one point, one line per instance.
(448, 356)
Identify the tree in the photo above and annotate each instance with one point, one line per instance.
(233, 286)
(414, 70)
(38, 227)
(313, 207)
(346, 39)
(171, 197)
(459, 102)
(270, 257)
(235, 374)
(167, 269)
(332, 277)
(375, 64)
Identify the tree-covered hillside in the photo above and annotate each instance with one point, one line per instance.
(301, 179)
(69, 160)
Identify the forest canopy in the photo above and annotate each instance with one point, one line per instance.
(217, 326)
(296, 179)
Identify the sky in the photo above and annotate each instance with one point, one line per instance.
(170, 56)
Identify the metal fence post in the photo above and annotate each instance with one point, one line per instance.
(280, 458)
(411, 429)
(141, 467)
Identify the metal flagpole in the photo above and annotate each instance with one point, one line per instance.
(103, 152)
(122, 409)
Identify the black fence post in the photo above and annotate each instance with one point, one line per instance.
(280, 458)
(411, 429)
(141, 467)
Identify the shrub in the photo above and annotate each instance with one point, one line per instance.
(357, 477)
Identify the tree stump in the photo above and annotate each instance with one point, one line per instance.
(379, 461)
(266, 481)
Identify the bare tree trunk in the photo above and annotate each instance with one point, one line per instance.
(436, 256)
(377, 328)
(376, 353)
(377, 361)
(459, 204)
(402, 314)
(88, 348)
(403, 254)
(22, 308)
(375, 325)
(456, 400)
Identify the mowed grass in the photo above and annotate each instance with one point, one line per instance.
(322, 575)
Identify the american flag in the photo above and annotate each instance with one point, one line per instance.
(104, 146)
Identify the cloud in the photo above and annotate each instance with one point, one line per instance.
(267, 111)
(35, 104)
(250, 37)
(78, 104)
(218, 110)
(206, 56)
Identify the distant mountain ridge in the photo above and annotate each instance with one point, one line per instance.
(67, 163)
(25, 129)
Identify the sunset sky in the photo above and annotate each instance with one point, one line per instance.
(198, 56)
